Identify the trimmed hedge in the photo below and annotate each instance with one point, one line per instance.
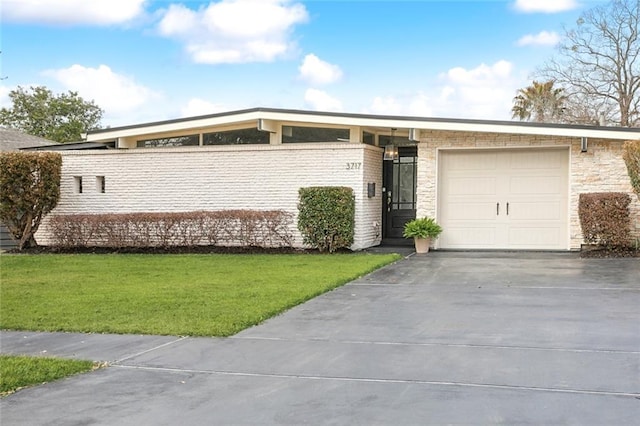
(249, 228)
(326, 217)
(605, 218)
(29, 189)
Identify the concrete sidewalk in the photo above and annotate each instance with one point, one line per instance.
(473, 338)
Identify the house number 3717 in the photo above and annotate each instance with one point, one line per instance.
(354, 166)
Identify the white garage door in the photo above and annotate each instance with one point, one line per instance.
(511, 199)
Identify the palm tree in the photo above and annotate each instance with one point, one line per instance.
(540, 102)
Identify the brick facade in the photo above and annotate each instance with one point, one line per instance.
(266, 177)
(261, 177)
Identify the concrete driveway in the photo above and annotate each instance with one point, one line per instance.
(446, 338)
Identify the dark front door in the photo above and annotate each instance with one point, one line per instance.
(399, 192)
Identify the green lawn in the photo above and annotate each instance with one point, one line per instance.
(20, 371)
(196, 295)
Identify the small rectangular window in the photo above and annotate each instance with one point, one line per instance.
(368, 138)
(100, 185)
(384, 140)
(294, 134)
(236, 137)
(187, 140)
(78, 184)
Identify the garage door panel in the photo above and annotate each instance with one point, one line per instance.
(535, 184)
(536, 211)
(469, 237)
(537, 160)
(531, 237)
(472, 186)
(504, 199)
(461, 161)
(469, 210)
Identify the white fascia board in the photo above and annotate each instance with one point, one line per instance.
(489, 127)
(351, 120)
(173, 126)
(607, 133)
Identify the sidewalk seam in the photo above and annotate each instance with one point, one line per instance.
(149, 350)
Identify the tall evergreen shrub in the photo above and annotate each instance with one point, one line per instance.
(326, 217)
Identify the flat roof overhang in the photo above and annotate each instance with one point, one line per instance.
(382, 122)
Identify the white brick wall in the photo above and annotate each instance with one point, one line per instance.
(369, 218)
(600, 169)
(260, 177)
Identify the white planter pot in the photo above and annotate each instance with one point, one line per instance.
(422, 244)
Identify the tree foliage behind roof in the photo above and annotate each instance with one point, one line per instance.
(61, 118)
(598, 63)
(540, 102)
(631, 155)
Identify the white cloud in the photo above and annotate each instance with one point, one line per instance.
(480, 75)
(544, 38)
(197, 106)
(234, 31)
(117, 94)
(70, 12)
(545, 6)
(315, 71)
(414, 104)
(321, 101)
(484, 92)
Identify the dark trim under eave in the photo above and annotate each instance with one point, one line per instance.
(72, 146)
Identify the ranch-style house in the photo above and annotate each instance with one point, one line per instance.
(496, 185)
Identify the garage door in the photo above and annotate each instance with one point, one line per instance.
(511, 199)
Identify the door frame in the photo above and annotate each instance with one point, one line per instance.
(392, 236)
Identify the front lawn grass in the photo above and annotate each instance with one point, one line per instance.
(195, 295)
(17, 372)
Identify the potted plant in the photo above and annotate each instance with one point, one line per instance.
(422, 230)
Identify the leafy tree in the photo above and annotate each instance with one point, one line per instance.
(631, 155)
(539, 102)
(29, 189)
(62, 118)
(598, 63)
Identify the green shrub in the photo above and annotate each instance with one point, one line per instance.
(424, 227)
(326, 217)
(29, 189)
(605, 218)
(631, 155)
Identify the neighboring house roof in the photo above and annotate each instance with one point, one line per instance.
(13, 140)
(72, 146)
(263, 116)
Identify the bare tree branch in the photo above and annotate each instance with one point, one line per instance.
(597, 62)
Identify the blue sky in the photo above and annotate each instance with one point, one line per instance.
(145, 60)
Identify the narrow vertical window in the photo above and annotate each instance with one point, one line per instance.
(100, 185)
(78, 181)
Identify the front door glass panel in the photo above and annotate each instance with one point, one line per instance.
(400, 186)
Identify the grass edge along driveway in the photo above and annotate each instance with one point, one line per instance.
(18, 372)
(194, 295)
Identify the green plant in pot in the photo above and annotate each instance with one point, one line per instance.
(422, 230)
